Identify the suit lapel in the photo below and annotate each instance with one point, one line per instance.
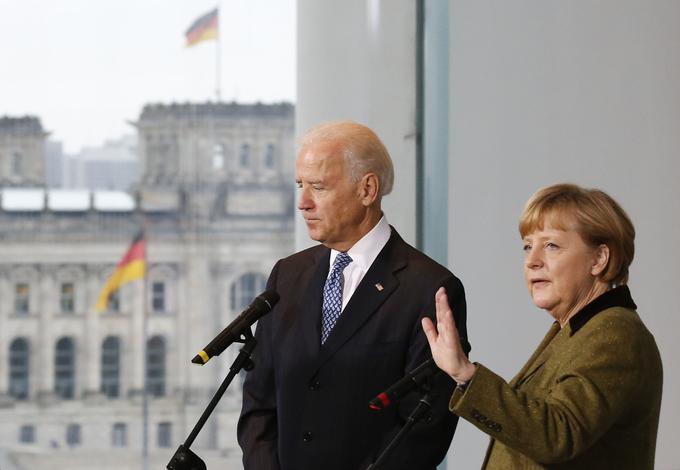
(537, 359)
(312, 301)
(367, 298)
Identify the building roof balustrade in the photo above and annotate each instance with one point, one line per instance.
(64, 200)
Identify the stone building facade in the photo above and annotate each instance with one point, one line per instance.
(215, 198)
(22, 151)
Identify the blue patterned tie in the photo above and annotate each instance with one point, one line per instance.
(332, 295)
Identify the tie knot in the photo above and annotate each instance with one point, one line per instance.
(341, 261)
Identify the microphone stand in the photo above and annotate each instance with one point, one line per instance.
(419, 412)
(184, 458)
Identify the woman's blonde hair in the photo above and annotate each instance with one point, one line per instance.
(597, 217)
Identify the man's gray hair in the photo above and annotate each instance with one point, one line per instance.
(363, 150)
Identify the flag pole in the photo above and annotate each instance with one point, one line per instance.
(218, 58)
(145, 339)
(132, 267)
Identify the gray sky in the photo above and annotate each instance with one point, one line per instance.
(87, 67)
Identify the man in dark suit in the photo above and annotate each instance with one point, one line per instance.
(347, 325)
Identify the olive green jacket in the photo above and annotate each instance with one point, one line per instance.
(588, 398)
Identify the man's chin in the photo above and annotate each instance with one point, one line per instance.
(316, 236)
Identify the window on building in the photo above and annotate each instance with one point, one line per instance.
(18, 369)
(65, 368)
(21, 298)
(17, 164)
(67, 299)
(244, 156)
(113, 303)
(27, 434)
(245, 289)
(164, 434)
(218, 156)
(110, 370)
(269, 156)
(155, 366)
(158, 296)
(73, 434)
(119, 435)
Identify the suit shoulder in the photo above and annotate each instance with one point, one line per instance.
(307, 255)
(617, 337)
(618, 321)
(423, 263)
(617, 326)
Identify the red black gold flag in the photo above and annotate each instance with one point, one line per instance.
(203, 29)
(132, 266)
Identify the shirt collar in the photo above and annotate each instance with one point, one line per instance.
(366, 250)
(617, 297)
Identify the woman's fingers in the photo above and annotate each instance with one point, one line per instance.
(441, 302)
(430, 331)
(444, 341)
(445, 324)
(443, 338)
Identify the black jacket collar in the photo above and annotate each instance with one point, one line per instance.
(617, 297)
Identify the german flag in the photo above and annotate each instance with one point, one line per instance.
(203, 29)
(131, 267)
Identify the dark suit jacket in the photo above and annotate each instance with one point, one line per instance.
(588, 398)
(305, 406)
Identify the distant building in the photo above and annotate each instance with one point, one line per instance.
(215, 194)
(22, 151)
(54, 164)
(111, 166)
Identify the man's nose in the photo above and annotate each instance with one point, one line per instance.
(304, 201)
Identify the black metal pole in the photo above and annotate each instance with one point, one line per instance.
(184, 458)
(418, 413)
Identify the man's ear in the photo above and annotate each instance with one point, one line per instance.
(369, 188)
(601, 260)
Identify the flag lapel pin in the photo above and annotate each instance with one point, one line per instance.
(379, 287)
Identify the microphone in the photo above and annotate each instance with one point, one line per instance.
(262, 304)
(413, 379)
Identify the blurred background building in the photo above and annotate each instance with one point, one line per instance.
(22, 151)
(214, 194)
(111, 166)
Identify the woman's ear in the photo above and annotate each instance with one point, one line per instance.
(601, 260)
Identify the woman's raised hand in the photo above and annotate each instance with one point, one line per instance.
(444, 341)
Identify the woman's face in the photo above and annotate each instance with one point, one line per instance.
(561, 270)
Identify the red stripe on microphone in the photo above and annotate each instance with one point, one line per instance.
(384, 399)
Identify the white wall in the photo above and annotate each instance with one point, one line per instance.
(356, 61)
(539, 92)
(542, 92)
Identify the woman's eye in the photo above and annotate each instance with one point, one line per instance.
(526, 248)
(551, 245)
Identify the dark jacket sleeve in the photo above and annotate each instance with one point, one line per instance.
(426, 445)
(257, 430)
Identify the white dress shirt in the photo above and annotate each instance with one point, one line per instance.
(363, 253)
